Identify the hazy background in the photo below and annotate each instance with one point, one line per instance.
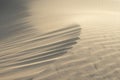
(45, 15)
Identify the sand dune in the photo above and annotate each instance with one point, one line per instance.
(59, 40)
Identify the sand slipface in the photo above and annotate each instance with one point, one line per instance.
(59, 40)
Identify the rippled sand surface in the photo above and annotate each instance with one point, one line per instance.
(39, 40)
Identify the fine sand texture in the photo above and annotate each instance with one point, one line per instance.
(59, 40)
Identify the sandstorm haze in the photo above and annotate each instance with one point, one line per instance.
(65, 12)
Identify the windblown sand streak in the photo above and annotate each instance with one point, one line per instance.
(36, 51)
